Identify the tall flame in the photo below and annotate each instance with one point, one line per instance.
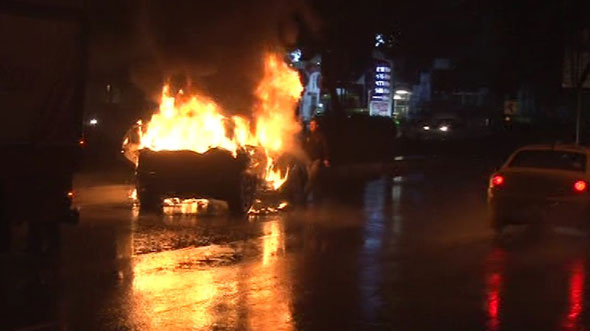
(195, 124)
(278, 94)
(198, 124)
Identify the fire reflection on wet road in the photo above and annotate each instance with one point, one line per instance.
(407, 253)
(213, 286)
(185, 289)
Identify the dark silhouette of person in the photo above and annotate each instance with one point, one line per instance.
(316, 148)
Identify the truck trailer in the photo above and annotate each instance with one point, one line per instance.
(42, 76)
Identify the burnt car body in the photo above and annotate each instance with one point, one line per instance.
(215, 174)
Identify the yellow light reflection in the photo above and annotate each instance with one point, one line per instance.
(272, 242)
(201, 288)
(172, 206)
(271, 303)
(169, 293)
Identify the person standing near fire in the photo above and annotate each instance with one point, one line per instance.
(316, 148)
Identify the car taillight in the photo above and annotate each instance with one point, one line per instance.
(497, 181)
(580, 186)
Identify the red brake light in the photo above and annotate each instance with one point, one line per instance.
(497, 180)
(580, 186)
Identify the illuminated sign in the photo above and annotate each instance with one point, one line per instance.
(381, 93)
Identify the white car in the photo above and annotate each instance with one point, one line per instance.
(541, 183)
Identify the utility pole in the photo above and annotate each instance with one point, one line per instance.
(579, 93)
(576, 16)
(578, 113)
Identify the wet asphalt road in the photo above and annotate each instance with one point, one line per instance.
(407, 253)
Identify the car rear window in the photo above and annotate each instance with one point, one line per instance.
(550, 159)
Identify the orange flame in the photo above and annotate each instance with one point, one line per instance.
(278, 94)
(198, 124)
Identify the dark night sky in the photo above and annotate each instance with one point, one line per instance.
(218, 43)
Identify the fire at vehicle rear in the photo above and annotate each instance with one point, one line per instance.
(541, 185)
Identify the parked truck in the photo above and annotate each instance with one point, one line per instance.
(42, 75)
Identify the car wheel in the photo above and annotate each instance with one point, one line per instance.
(498, 222)
(585, 222)
(243, 196)
(149, 200)
(295, 186)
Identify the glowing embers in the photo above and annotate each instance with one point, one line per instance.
(206, 207)
(260, 208)
(175, 206)
(133, 196)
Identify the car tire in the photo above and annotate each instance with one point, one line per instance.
(242, 197)
(149, 200)
(585, 222)
(498, 222)
(295, 185)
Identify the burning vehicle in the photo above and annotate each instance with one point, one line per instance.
(190, 148)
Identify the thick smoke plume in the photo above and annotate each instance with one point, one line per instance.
(213, 47)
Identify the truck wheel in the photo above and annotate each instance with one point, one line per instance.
(242, 196)
(5, 235)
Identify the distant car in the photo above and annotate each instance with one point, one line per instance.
(436, 128)
(439, 129)
(542, 183)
